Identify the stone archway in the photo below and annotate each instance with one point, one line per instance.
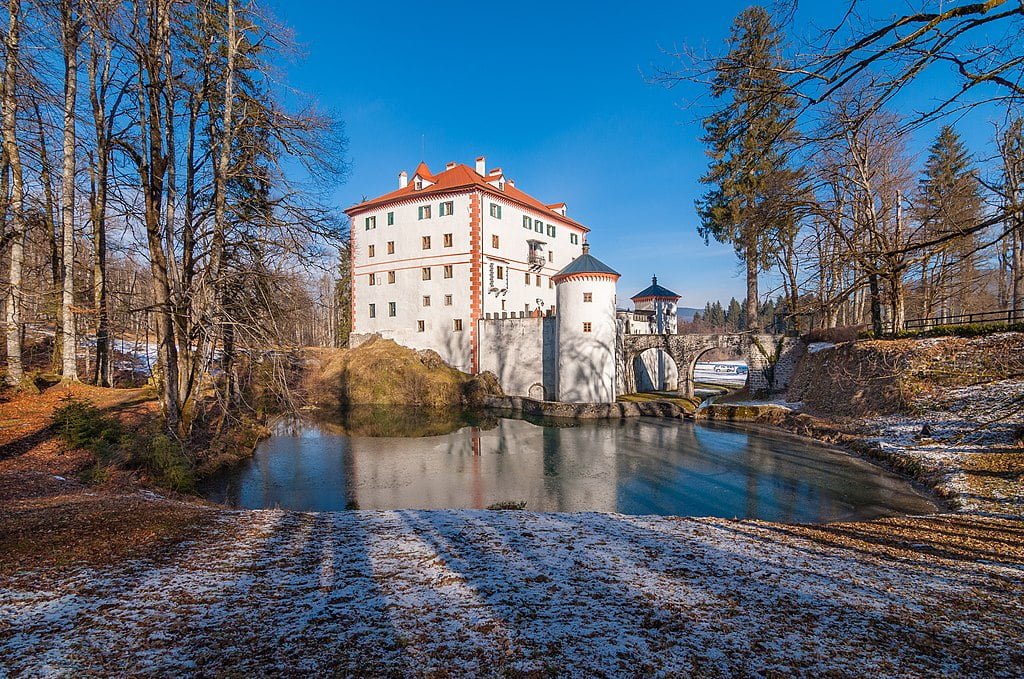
(656, 370)
(770, 358)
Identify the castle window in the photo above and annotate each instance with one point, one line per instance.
(551, 284)
(495, 210)
(588, 297)
(391, 247)
(495, 242)
(426, 300)
(447, 300)
(574, 238)
(501, 273)
(527, 222)
(587, 327)
(551, 255)
(370, 250)
(426, 273)
(448, 271)
(424, 212)
(537, 280)
(373, 279)
(551, 230)
(426, 242)
(391, 276)
(457, 325)
(446, 208)
(418, 184)
(391, 219)
(447, 240)
(371, 223)
(373, 311)
(420, 326)
(392, 309)
(527, 277)
(538, 226)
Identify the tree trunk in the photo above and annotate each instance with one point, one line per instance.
(876, 305)
(56, 268)
(750, 253)
(1017, 268)
(69, 31)
(13, 321)
(897, 303)
(97, 98)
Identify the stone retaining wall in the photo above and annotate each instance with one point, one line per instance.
(583, 411)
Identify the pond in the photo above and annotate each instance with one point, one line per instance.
(636, 466)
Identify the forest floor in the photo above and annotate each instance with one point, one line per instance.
(119, 580)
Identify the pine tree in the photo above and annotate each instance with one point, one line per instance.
(950, 204)
(752, 189)
(733, 315)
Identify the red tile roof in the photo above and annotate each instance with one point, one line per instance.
(423, 171)
(462, 177)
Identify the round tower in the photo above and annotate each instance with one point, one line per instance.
(585, 330)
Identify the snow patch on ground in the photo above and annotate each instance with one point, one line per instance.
(815, 347)
(962, 424)
(441, 593)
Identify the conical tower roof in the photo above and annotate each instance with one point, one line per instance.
(584, 264)
(655, 291)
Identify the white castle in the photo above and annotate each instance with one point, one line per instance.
(464, 263)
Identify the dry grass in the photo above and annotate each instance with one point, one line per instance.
(381, 372)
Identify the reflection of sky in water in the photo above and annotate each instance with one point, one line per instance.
(642, 466)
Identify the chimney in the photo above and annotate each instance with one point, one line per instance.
(512, 183)
(403, 179)
(450, 165)
(481, 166)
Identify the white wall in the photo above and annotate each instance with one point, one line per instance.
(521, 353)
(409, 288)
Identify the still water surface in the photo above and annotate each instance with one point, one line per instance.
(638, 466)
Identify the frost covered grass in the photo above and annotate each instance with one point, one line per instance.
(969, 438)
(479, 593)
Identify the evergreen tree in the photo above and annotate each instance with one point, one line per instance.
(950, 204)
(733, 316)
(752, 189)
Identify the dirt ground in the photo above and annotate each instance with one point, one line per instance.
(51, 518)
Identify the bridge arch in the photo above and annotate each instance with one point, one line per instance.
(656, 370)
(770, 358)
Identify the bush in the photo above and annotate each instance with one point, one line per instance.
(80, 424)
(165, 460)
(848, 333)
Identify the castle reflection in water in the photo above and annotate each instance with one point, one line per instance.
(640, 466)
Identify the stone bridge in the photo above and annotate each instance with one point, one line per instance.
(771, 359)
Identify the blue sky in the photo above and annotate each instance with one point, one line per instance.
(555, 94)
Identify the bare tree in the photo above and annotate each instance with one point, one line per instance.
(70, 31)
(1011, 194)
(12, 153)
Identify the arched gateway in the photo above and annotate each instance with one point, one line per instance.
(770, 358)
